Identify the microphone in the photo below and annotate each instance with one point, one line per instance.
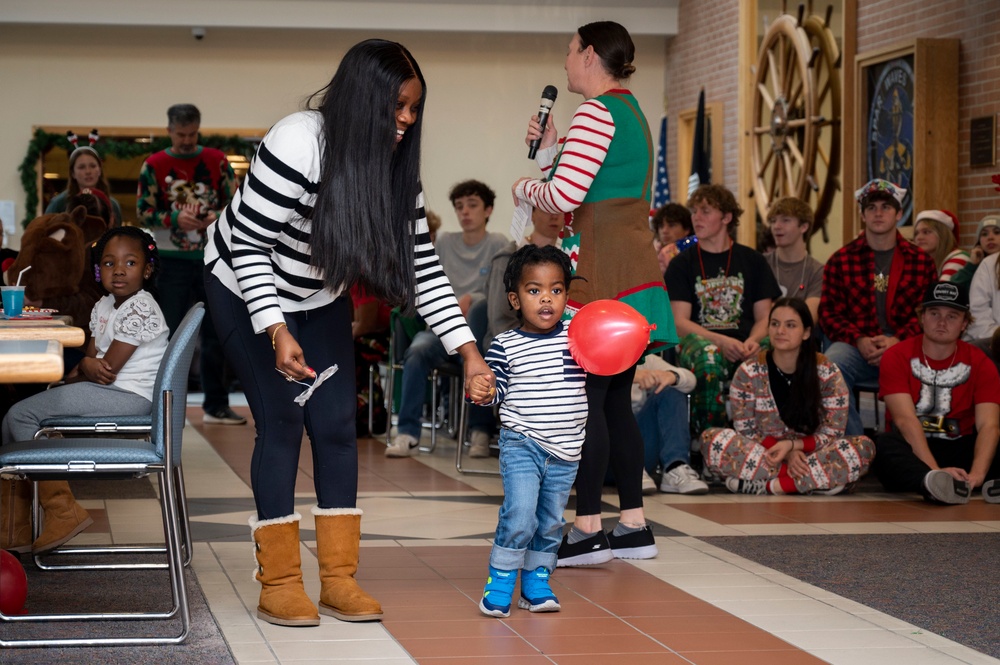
(544, 107)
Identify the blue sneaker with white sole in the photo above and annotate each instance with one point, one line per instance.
(536, 594)
(498, 592)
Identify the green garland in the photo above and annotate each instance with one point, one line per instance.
(44, 141)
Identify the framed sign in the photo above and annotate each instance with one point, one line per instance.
(907, 120)
(888, 126)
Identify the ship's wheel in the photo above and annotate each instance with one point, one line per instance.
(795, 139)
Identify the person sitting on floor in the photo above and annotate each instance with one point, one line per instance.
(660, 404)
(789, 412)
(128, 340)
(942, 397)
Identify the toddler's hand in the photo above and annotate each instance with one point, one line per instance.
(480, 389)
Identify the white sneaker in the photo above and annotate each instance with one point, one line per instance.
(682, 479)
(403, 445)
(479, 444)
(648, 484)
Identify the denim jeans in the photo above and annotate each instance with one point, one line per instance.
(855, 370)
(424, 354)
(663, 421)
(536, 488)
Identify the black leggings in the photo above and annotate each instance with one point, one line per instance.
(328, 417)
(612, 437)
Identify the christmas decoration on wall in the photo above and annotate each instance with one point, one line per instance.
(42, 142)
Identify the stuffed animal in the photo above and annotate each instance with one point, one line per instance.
(57, 247)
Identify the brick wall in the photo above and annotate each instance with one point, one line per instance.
(705, 54)
(976, 23)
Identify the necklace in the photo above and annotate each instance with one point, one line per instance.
(934, 373)
(881, 279)
(802, 277)
(701, 262)
(786, 377)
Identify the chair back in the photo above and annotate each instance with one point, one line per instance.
(173, 375)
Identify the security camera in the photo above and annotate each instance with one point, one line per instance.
(198, 33)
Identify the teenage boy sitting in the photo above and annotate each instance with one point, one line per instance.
(720, 293)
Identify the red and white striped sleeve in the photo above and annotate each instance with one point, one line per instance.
(584, 149)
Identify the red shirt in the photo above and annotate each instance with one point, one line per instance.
(359, 297)
(950, 388)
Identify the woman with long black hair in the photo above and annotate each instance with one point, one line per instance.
(332, 199)
(789, 413)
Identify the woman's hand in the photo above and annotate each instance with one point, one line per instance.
(513, 190)
(548, 137)
(97, 370)
(797, 464)
(776, 454)
(288, 356)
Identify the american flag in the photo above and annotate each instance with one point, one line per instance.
(661, 188)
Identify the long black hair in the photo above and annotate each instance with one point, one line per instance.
(364, 218)
(805, 412)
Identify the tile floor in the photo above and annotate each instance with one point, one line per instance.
(426, 542)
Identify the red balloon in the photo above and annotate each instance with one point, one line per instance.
(13, 584)
(607, 337)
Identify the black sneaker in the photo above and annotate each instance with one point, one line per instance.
(589, 552)
(634, 545)
(941, 487)
(224, 416)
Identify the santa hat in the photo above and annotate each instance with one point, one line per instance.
(946, 217)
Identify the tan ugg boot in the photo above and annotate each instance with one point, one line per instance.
(338, 538)
(63, 518)
(15, 515)
(283, 600)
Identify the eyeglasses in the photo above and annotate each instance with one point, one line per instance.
(310, 387)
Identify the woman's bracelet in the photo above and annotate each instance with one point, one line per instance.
(275, 334)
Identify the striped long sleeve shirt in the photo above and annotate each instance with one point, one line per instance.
(260, 246)
(541, 389)
(583, 152)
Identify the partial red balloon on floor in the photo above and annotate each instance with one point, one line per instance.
(13, 584)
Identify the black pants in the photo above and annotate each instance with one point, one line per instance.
(613, 437)
(328, 417)
(180, 284)
(900, 470)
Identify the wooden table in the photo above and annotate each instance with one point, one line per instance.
(30, 361)
(56, 328)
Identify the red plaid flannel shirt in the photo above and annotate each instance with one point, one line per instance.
(847, 308)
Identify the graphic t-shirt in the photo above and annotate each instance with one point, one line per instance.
(948, 388)
(722, 295)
